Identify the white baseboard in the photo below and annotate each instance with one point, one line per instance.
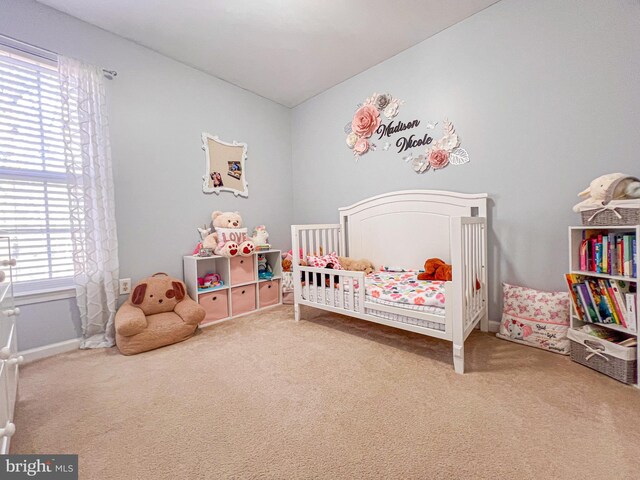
(494, 326)
(50, 350)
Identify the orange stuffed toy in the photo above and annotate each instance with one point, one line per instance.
(436, 269)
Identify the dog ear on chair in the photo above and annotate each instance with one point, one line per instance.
(138, 294)
(178, 290)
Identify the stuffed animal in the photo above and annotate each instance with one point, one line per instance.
(287, 262)
(604, 189)
(357, 265)
(229, 238)
(436, 269)
(210, 280)
(260, 236)
(203, 232)
(264, 269)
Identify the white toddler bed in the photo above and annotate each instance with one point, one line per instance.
(401, 230)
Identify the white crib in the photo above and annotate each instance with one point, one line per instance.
(402, 229)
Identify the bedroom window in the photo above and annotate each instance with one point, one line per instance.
(34, 199)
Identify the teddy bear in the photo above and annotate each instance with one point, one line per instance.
(229, 238)
(604, 189)
(357, 265)
(436, 269)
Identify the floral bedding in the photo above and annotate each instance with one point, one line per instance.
(404, 288)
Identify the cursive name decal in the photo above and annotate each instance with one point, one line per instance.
(404, 143)
(367, 122)
(389, 129)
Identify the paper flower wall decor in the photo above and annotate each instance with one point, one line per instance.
(441, 153)
(377, 115)
(366, 121)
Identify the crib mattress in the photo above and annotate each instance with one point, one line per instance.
(396, 289)
(403, 289)
(325, 294)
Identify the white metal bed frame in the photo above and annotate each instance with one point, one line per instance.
(402, 229)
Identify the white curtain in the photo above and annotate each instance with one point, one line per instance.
(91, 198)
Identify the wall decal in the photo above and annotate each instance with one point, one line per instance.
(368, 123)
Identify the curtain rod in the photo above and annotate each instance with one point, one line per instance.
(42, 52)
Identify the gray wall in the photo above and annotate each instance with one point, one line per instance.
(545, 97)
(159, 108)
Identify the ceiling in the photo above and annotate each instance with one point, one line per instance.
(284, 50)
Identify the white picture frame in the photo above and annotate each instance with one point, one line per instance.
(225, 166)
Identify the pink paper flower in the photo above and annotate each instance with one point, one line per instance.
(365, 121)
(438, 159)
(361, 147)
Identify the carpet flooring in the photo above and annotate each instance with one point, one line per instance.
(328, 397)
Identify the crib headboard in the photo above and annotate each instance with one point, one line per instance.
(403, 229)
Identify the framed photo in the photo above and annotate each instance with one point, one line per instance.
(225, 166)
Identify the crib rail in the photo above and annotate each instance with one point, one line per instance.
(340, 289)
(323, 286)
(469, 246)
(318, 239)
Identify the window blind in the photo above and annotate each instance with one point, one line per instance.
(34, 199)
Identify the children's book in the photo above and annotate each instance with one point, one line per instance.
(593, 254)
(572, 282)
(626, 240)
(598, 254)
(589, 306)
(619, 308)
(583, 255)
(601, 311)
(604, 294)
(620, 252)
(634, 257)
(605, 253)
(613, 256)
(632, 314)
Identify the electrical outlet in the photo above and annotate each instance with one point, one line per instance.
(125, 286)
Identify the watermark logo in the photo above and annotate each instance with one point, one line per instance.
(47, 467)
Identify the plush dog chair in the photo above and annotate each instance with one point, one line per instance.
(158, 312)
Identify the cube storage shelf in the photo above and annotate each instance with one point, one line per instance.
(575, 238)
(242, 293)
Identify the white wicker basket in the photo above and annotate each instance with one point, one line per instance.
(617, 212)
(603, 356)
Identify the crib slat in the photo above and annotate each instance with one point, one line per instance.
(465, 263)
(474, 266)
(478, 266)
(303, 233)
(312, 243)
(332, 297)
(352, 304)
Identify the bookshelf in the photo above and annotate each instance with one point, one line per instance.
(576, 236)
